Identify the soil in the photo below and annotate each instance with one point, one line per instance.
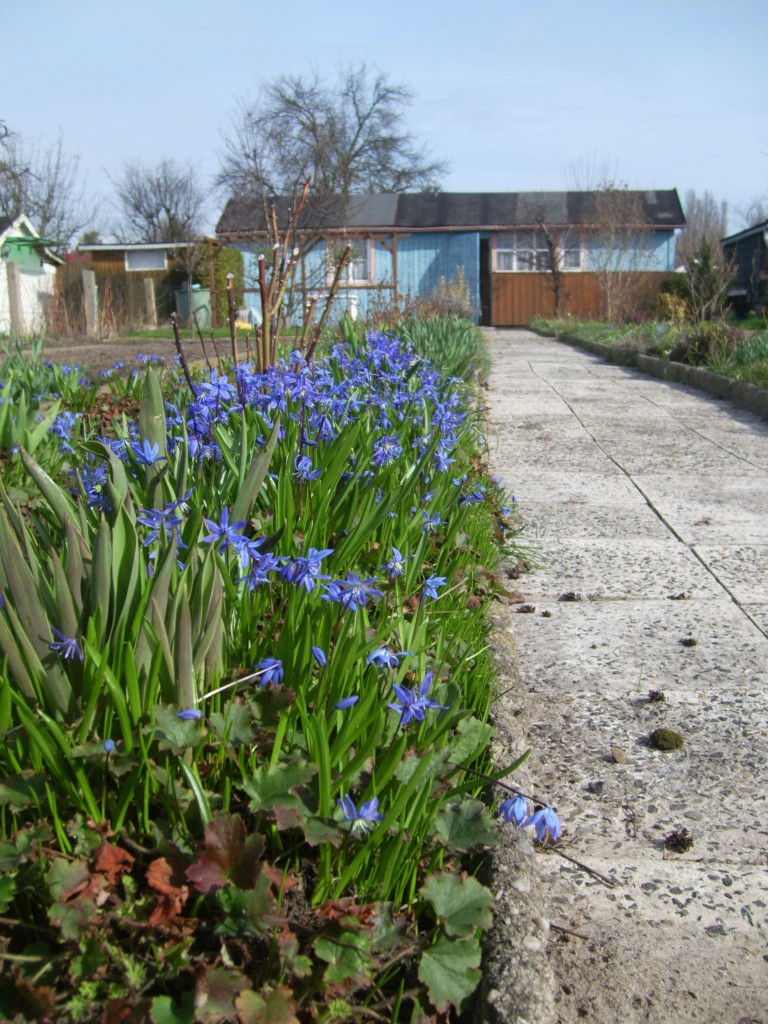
(96, 356)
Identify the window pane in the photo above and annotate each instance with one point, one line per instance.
(505, 260)
(145, 259)
(357, 266)
(571, 259)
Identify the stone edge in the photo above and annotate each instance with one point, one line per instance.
(517, 985)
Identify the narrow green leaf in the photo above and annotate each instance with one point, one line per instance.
(60, 502)
(185, 677)
(100, 589)
(152, 412)
(257, 472)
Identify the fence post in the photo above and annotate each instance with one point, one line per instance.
(149, 302)
(90, 299)
(14, 300)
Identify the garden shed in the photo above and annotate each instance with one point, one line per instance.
(27, 278)
(505, 244)
(748, 250)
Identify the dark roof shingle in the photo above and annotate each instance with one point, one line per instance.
(453, 211)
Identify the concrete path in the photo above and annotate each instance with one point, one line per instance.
(647, 504)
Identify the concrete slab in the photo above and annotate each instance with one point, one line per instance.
(634, 646)
(544, 521)
(620, 569)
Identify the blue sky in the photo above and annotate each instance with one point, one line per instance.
(511, 94)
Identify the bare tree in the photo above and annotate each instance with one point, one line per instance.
(160, 203)
(756, 213)
(346, 137)
(618, 246)
(43, 184)
(706, 219)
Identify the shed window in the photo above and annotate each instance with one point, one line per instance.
(520, 251)
(145, 259)
(358, 269)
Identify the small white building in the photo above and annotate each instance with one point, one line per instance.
(27, 279)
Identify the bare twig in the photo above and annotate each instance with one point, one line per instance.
(232, 327)
(182, 355)
(202, 343)
(567, 931)
(585, 867)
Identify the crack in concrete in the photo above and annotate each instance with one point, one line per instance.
(696, 554)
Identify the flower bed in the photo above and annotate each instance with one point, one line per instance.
(245, 692)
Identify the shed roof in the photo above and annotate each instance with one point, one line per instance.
(756, 229)
(450, 211)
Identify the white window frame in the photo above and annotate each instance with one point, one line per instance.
(525, 251)
(350, 275)
(158, 260)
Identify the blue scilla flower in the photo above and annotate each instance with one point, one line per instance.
(361, 821)
(304, 571)
(66, 646)
(546, 822)
(302, 469)
(218, 389)
(147, 454)
(225, 533)
(190, 714)
(320, 657)
(413, 703)
(352, 592)
(108, 746)
(386, 450)
(515, 808)
(431, 583)
(383, 657)
(347, 702)
(270, 670)
(396, 565)
(431, 522)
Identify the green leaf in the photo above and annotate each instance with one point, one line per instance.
(66, 877)
(7, 890)
(165, 1011)
(21, 790)
(101, 576)
(271, 1006)
(449, 969)
(72, 917)
(249, 911)
(235, 725)
(461, 904)
(254, 478)
(473, 737)
(60, 502)
(465, 825)
(176, 733)
(152, 413)
(348, 957)
(276, 784)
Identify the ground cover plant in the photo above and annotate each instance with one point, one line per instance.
(719, 345)
(244, 695)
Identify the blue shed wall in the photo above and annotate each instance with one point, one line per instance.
(657, 253)
(421, 261)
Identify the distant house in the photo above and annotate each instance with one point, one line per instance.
(121, 270)
(403, 244)
(27, 278)
(748, 250)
